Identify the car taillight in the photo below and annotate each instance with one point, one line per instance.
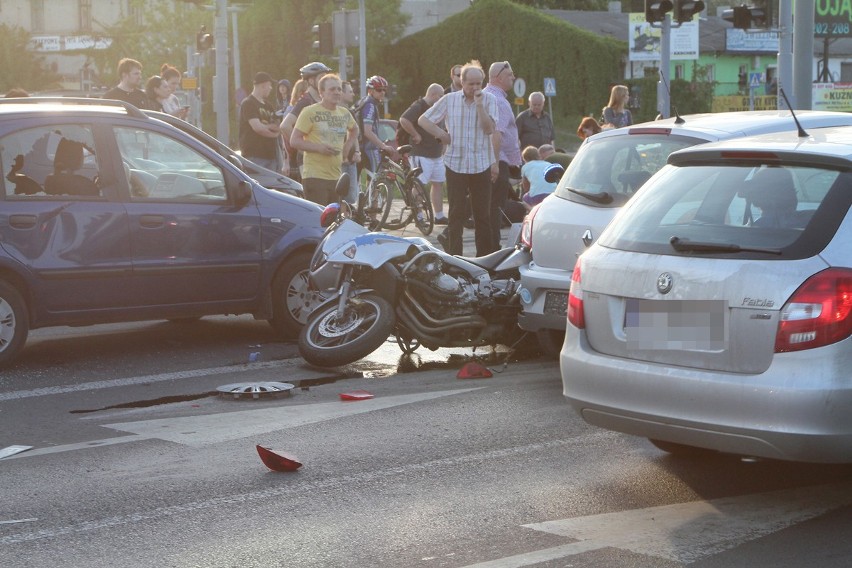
(818, 313)
(575, 299)
(329, 214)
(527, 227)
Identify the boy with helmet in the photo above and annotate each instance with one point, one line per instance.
(311, 74)
(370, 114)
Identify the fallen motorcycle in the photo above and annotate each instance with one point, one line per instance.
(380, 285)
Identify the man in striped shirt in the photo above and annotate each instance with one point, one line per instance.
(470, 116)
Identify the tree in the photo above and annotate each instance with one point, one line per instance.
(21, 67)
(587, 5)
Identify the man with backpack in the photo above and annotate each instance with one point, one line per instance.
(367, 113)
(426, 150)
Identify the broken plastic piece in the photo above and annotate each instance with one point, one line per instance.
(12, 450)
(474, 370)
(278, 461)
(254, 357)
(356, 395)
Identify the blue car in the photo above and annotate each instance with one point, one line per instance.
(109, 215)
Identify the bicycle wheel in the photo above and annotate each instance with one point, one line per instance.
(376, 209)
(399, 211)
(421, 207)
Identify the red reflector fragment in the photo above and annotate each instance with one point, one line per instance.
(278, 461)
(474, 370)
(356, 395)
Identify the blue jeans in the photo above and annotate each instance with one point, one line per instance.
(268, 163)
(354, 188)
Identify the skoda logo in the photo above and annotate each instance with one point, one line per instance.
(664, 283)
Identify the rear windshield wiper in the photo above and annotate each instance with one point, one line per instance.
(596, 197)
(683, 245)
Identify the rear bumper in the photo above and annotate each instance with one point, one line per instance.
(536, 283)
(797, 410)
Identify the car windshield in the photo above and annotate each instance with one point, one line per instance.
(606, 172)
(754, 210)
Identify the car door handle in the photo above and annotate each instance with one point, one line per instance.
(152, 221)
(22, 221)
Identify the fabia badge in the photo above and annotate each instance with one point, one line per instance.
(664, 283)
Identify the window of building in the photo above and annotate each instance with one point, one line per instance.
(679, 72)
(85, 15)
(37, 15)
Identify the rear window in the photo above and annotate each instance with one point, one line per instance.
(753, 211)
(608, 171)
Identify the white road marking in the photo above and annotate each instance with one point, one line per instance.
(127, 381)
(198, 431)
(686, 532)
(305, 486)
(78, 446)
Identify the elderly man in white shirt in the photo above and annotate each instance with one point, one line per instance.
(470, 116)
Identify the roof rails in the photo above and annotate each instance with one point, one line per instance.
(131, 110)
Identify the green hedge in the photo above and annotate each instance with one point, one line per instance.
(538, 46)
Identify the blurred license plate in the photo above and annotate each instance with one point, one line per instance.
(556, 303)
(691, 325)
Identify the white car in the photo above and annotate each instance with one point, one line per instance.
(604, 175)
(715, 311)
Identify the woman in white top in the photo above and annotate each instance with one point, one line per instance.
(171, 105)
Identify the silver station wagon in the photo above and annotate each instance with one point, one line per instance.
(607, 171)
(715, 311)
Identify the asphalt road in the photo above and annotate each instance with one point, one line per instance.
(136, 463)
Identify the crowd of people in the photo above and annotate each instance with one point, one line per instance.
(464, 137)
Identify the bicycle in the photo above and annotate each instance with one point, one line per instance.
(405, 197)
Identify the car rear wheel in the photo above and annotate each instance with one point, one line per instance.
(293, 298)
(14, 323)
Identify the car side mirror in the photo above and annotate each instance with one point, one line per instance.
(553, 173)
(342, 187)
(243, 193)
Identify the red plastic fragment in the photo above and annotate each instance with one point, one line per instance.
(278, 461)
(356, 395)
(474, 370)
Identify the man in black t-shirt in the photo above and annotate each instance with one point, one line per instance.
(259, 127)
(127, 90)
(426, 149)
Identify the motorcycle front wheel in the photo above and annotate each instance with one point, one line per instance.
(330, 341)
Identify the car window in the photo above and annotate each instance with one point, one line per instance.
(608, 171)
(159, 167)
(757, 209)
(50, 162)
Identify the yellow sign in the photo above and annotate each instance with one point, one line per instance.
(189, 83)
(832, 96)
(740, 102)
(519, 100)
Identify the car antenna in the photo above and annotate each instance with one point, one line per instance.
(678, 119)
(802, 133)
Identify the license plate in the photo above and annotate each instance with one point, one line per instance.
(556, 303)
(689, 325)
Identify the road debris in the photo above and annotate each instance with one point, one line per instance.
(278, 461)
(12, 450)
(356, 395)
(474, 370)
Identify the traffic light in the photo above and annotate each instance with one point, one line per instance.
(745, 17)
(684, 10)
(323, 38)
(656, 11)
(203, 40)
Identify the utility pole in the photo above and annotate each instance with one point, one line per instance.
(362, 37)
(663, 95)
(220, 80)
(803, 56)
(785, 52)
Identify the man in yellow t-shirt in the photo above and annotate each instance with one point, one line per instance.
(325, 132)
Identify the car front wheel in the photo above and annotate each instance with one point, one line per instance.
(293, 298)
(14, 323)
